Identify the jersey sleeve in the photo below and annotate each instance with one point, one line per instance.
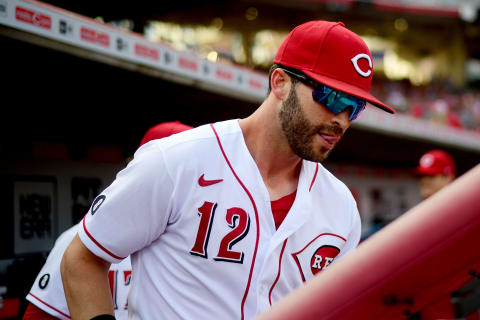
(47, 291)
(133, 211)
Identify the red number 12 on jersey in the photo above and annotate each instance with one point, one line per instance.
(236, 218)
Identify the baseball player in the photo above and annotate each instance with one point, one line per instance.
(226, 219)
(47, 297)
(436, 169)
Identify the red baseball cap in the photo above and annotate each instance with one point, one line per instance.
(163, 130)
(436, 162)
(331, 54)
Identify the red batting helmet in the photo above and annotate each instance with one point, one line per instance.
(163, 130)
(436, 162)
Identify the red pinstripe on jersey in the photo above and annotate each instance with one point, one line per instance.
(98, 244)
(256, 220)
(279, 271)
(314, 177)
(49, 306)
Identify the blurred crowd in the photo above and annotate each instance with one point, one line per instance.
(440, 103)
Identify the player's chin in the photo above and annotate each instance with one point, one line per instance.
(320, 154)
(324, 154)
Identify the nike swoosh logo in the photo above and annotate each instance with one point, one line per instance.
(205, 183)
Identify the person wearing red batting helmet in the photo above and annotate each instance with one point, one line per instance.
(436, 169)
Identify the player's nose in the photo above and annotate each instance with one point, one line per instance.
(341, 119)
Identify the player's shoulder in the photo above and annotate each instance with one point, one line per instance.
(198, 136)
(195, 141)
(185, 152)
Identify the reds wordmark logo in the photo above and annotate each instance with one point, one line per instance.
(322, 258)
(318, 254)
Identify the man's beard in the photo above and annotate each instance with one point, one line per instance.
(300, 132)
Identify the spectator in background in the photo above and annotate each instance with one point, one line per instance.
(396, 96)
(47, 297)
(436, 169)
(440, 103)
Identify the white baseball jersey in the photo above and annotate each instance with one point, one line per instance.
(193, 212)
(47, 291)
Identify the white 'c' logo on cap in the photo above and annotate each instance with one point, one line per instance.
(357, 68)
(427, 161)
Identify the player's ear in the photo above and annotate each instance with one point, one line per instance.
(280, 83)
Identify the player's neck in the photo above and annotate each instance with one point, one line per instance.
(278, 165)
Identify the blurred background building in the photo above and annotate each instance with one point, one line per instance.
(82, 82)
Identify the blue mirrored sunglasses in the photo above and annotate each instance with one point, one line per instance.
(336, 101)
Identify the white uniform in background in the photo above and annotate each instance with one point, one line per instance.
(47, 291)
(193, 212)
